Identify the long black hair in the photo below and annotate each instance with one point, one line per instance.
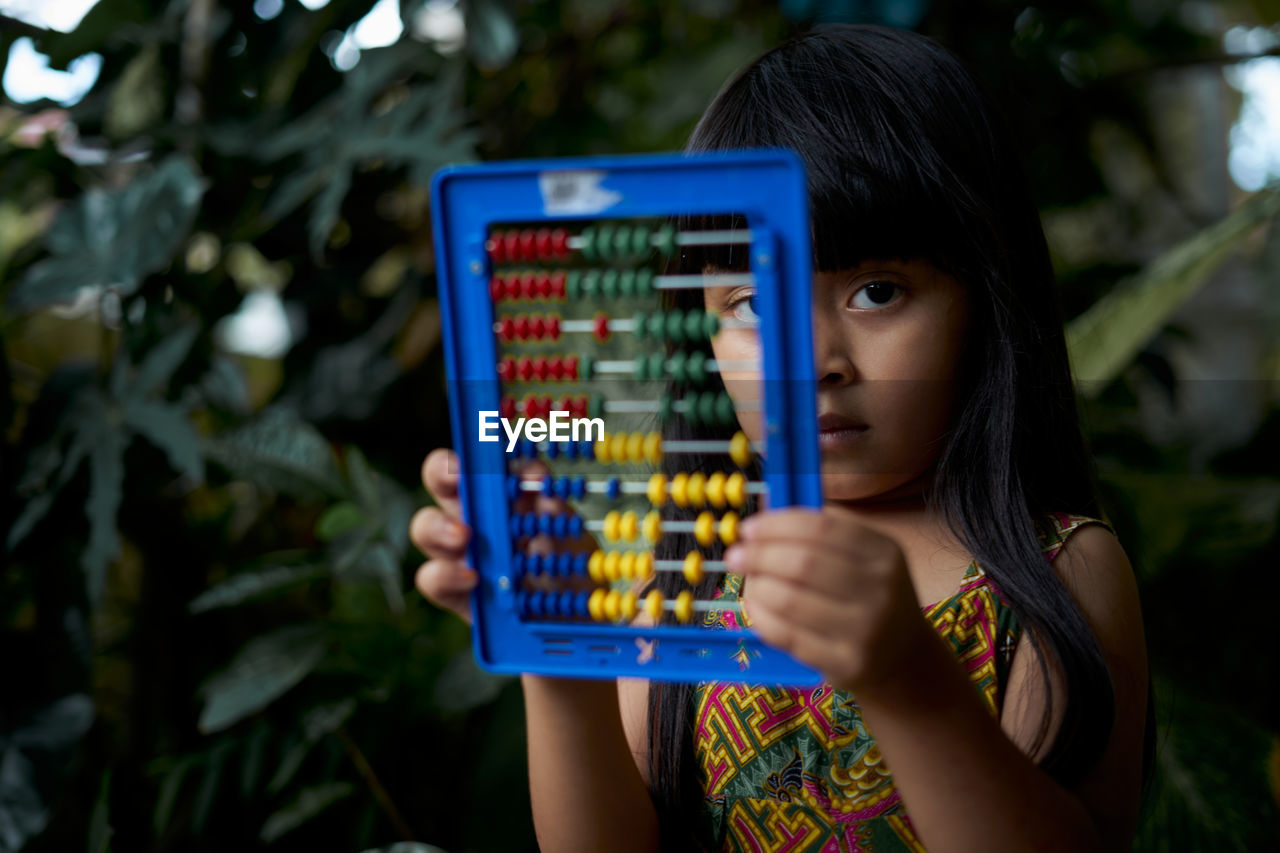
(905, 159)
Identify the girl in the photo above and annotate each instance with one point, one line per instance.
(1010, 714)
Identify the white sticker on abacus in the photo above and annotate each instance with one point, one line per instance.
(559, 427)
(575, 193)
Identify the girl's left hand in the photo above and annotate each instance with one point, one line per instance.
(833, 593)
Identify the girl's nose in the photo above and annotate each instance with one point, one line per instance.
(833, 364)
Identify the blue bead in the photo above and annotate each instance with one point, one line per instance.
(575, 526)
(587, 449)
(613, 489)
(562, 487)
(564, 564)
(579, 488)
(571, 449)
(530, 449)
(529, 527)
(522, 604)
(548, 486)
(580, 608)
(513, 488)
(545, 520)
(580, 564)
(517, 564)
(513, 524)
(539, 604)
(566, 604)
(553, 449)
(560, 527)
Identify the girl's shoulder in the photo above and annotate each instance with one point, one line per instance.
(1055, 528)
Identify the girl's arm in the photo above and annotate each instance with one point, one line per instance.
(586, 790)
(837, 595)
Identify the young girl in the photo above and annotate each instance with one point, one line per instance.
(1010, 714)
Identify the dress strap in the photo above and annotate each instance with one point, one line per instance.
(1057, 527)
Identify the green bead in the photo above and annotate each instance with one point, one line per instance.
(697, 368)
(644, 282)
(573, 284)
(595, 406)
(710, 325)
(689, 408)
(725, 415)
(622, 241)
(627, 283)
(675, 365)
(640, 369)
(665, 241)
(693, 324)
(604, 242)
(588, 243)
(586, 367)
(657, 365)
(675, 325)
(591, 283)
(639, 325)
(640, 241)
(665, 408)
(707, 407)
(657, 325)
(609, 284)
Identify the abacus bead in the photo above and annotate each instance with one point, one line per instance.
(710, 325)
(537, 327)
(542, 243)
(518, 564)
(559, 242)
(724, 409)
(562, 485)
(522, 327)
(657, 365)
(690, 408)
(541, 367)
(571, 368)
(511, 246)
(735, 489)
(595, 605)
(656, 491)
(704, 529)
(612, 600)
(578, 487)
(542, 285)
(630, 526)
(715, 490)
(609, 284)
(512, 286)
(590, 282)
(675, 325)
(575, 526)
(507, 408)
(609, 528)
(693, 568)
(665, 240)
(640, 368)
(513, 489)
(557, 285)
(587, 243)
(580, 564)
(530, 449)
(684, 607)
(524, 368)
(676, 365)
(528, 251)
(729, 528)
(560, 526)
(653, 605)
(627, 283)
(507, 369)
(580, 605)
(506, 329)
(553, 327)
(627, 607)
(618, 447)
(627, 566)
(635, 447)
(522, 605)
(587, 449)
(696, 367)
(493, 248)
(533, 564)
(664, 407)
(622, 241)
(644, 566)
(655, 324)
(640, 240)
(553, 449)
(612, 559)
(601, 328)
(495, 289)
(740, 449)
(573, 284)
(644, 282)
(640, 325)
(571, 450)
(595, 566)
(680, 490)
(604, 241)
(697, 484)
(651, 528)
(546, 520)
(707, 407)
(613, 488)
(529, 526)
(601, 450)
(529, 285)
(693, 325)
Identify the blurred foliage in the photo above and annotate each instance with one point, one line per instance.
(212, 631)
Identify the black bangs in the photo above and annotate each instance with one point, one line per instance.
(890, 156)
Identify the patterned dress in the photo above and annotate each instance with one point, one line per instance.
(794, 769)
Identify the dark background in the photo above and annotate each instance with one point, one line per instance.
(210, 637)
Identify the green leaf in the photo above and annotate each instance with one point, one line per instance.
(491, 34)
(113, 238)
(254, 586)
(290, 761)
(338, 520)
(161, 361)
(168, 428)
(263, 671)
(324, 719)
(310, 803)
(254, 750)
(106, 487)
(100, 830)
(363, 481)
(1106, 337)
(464, 685)
(279, 452)
(208, 791)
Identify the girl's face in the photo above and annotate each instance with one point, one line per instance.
(889, 339)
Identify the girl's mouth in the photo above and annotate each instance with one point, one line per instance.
(836, 431)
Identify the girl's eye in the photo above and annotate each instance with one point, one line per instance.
(877, 294)
(743, 309)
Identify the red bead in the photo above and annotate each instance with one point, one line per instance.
(537, 327)
(571, 368)
(522, 328)
(601, 328)
(560, 243)
(511, 246)
(511, 285)
(555, 367)
(507, 370)
(553, 327)
(494, 247)
(529, 285)
(496, 288)
(527, 252)
(547, 406)
(506, 329)
(578, 407)
(542, 285)
(558, 285)
(540, 367)
(524, 368)
(542, 243)
(507, 408)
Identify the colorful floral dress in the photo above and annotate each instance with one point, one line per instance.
(794, 769)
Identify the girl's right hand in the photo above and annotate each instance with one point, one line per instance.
(439, 532)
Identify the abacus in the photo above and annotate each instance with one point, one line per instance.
(573, 295)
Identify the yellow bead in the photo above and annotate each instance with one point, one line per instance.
(729, 528)
(653, 448)
(627, 566)
(595, 566)
(704, 528)
(602, 449)
(680, 490)
(652, 526)
(684, 607)
(609, 528)
(630, 527)
(628, 606)
(697, 489)
(657, 491)
(618, 447)
(611, 561)
(653, 606)
(740, 449)
(635, 447)
(735, 489)
(595, 605)
(611, 605)
(715, 490)
(693, 567)
(644, 566)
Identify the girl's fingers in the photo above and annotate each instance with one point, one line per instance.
(831, 529)
(838, 662)
(440, 476)
(438, 534)
(816, 611)
(814, 568)
(448, 584)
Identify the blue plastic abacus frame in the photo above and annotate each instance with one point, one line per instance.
(765, 186)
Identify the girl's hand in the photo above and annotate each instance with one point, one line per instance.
(833, 593)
